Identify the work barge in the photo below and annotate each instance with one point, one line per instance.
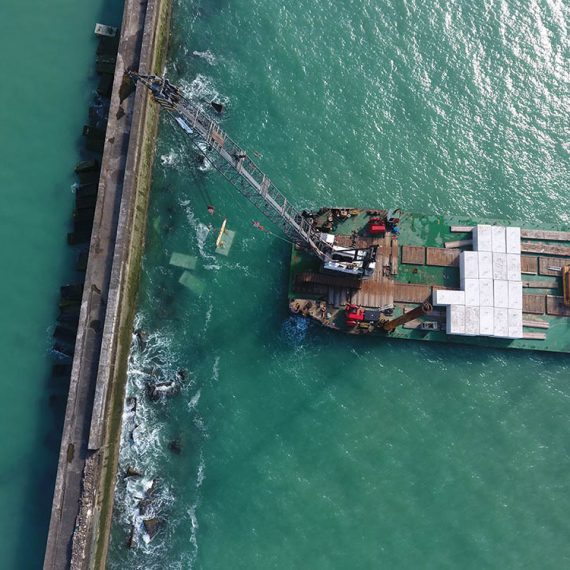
(440, 278)
(395, 274)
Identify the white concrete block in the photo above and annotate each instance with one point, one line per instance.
(515, 295)
(501, 322)
(482, 238)
(501, 294)
(485, 259)
(513, 267)
(469, 265)
(513, 240)
(472, 321)
(500, 266)
(455, 315)
(515, 323)
(486, 295)
(499, 240)
(471, 289)
(486, 321)
(448, 297)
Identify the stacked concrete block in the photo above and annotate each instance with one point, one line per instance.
(501, 294)
(515, 324)
(490, 300)
(469, 265)
(482, 238)
(471, 289)
(472, 321)
(499, 265)
(448, 297)
(485, 261)
(513, 240)
(515, 295)
(499, 242)
(501, 324)
(486, 296)
(455, 319)
(513, 267)
(486, 321)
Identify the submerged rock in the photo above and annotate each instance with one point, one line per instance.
(131, 537)
(175, 446)
(151, 526)
(132, 472)
(142, 338)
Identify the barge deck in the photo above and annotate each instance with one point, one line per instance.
(419, 255)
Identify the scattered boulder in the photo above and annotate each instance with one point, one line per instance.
(131, 537)
(151, 526)
(175, 446)
(132, 472)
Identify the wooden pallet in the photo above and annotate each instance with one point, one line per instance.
(414, 254)
(529, 264)
(535, 304)
(442, 257)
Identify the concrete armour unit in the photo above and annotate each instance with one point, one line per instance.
(448, 297)
(513, 267)
(501, 294)
(486, 297)
(499, 265)
(499, 241)
(515, 295)
(485, 264)
(513, 240)
(455, 323)
(486, 321)
(472, 321)
(469, 265)
(471, 289)
(501, 324)
(482, 238)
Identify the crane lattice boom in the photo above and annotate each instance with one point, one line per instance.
(234, 164)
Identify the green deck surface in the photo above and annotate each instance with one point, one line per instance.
(434, 231)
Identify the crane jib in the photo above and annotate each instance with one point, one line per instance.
(236, 166)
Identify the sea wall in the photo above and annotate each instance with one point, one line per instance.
(83, 497)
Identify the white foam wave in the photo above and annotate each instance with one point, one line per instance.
(207, 55)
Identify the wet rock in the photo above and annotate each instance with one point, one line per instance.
(151, 526)
(131, 404)
(162, 389)
(132, 472)
(131, 537)
(144, 506)
(142, 338)
(182, 374)
(175, 446)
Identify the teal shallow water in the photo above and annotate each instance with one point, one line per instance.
(306, 449)
(48, 58)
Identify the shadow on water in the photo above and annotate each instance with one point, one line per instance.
(39, 480)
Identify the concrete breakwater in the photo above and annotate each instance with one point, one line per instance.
(83, 497)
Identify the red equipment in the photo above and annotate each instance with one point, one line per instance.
(354, 315)
(376, 226)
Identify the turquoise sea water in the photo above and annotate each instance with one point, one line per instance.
(48, 60)
(301, 448)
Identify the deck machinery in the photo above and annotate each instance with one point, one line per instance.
(386, 272)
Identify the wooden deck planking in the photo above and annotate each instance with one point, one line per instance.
(458, 243)
(536, 324)
(529, 264)
(552, 249)
(442, 257)
(414, 254)
(394, 257)
(545, 262)
(546, 234)
(535, 304)
(540, 284)
(534, 335)
(411, 293)
(555, 306)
